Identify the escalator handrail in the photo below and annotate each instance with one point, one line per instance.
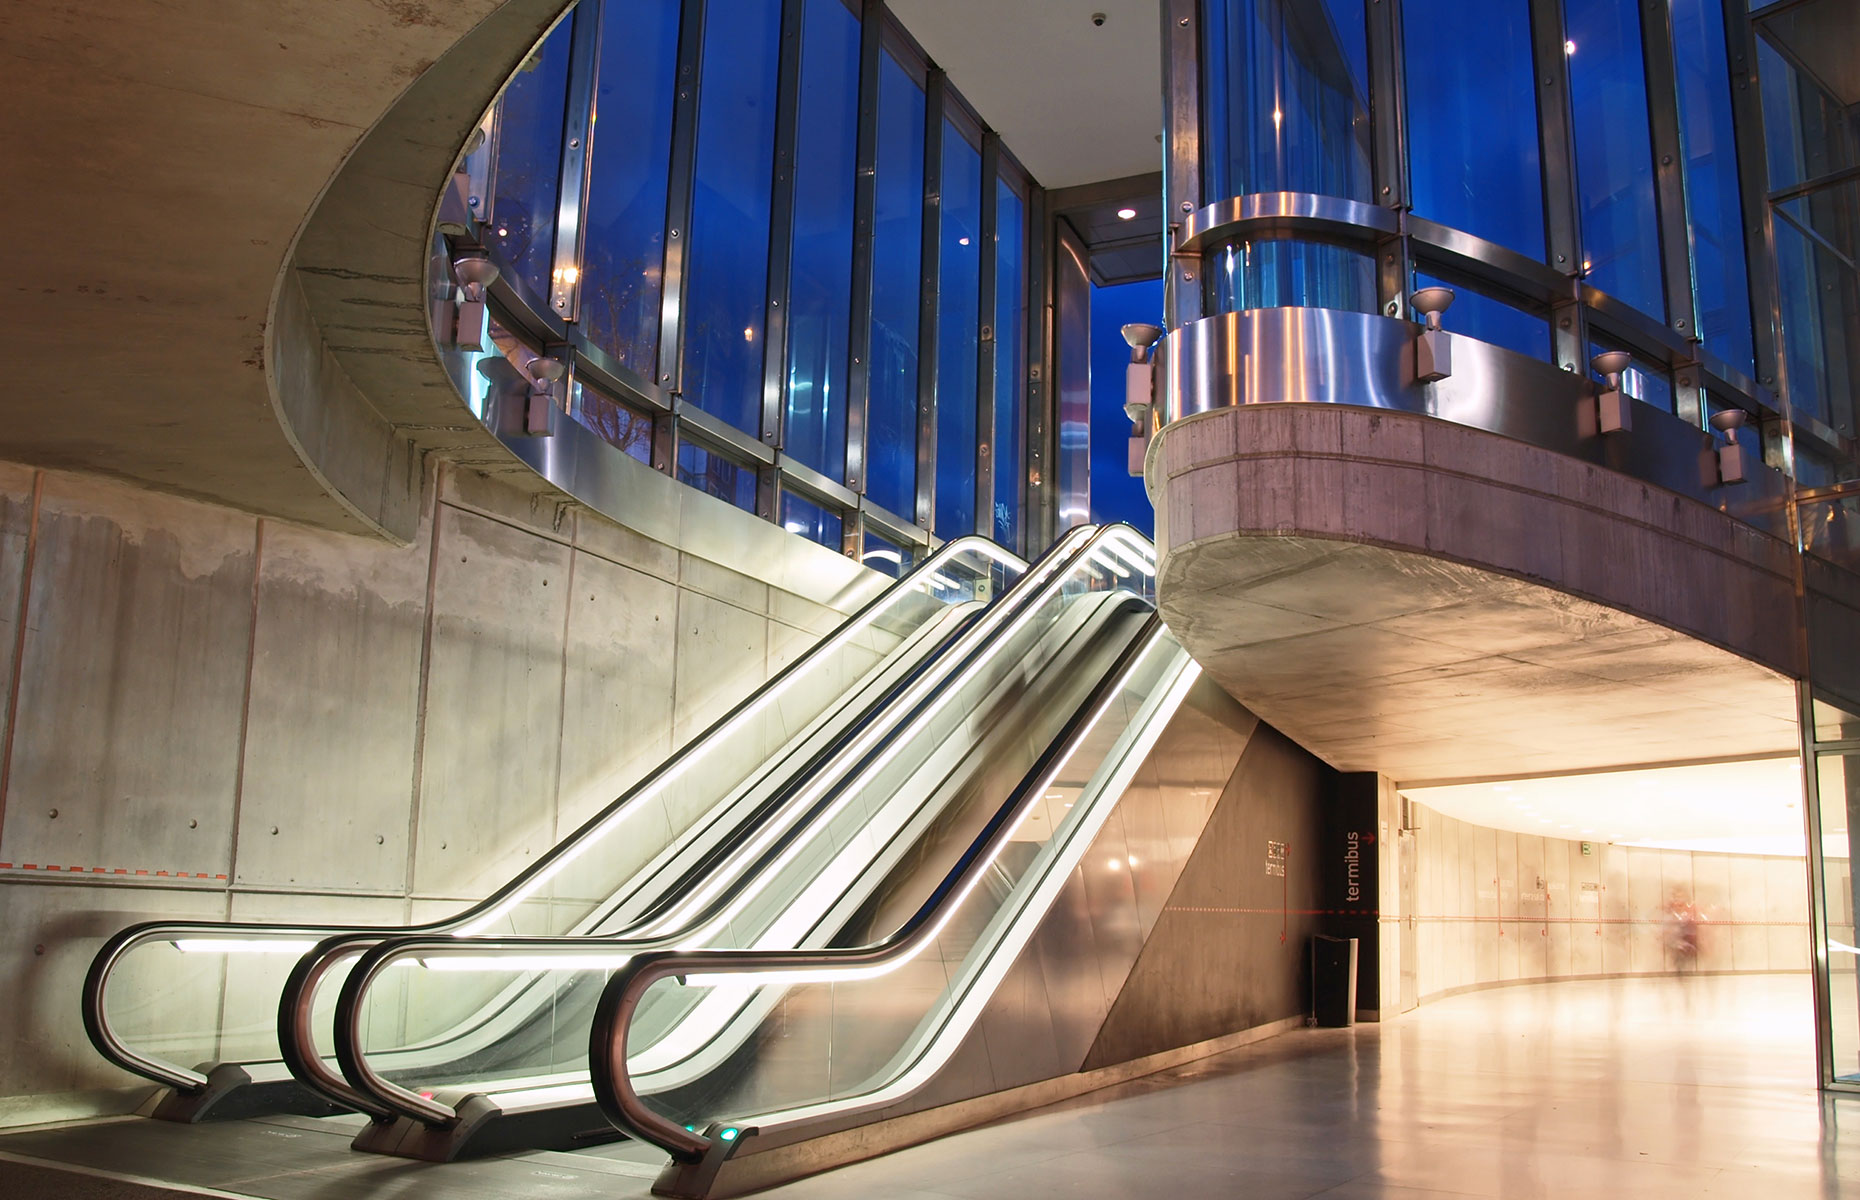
(108, 1043)
(622, 1104)
(351, 1007)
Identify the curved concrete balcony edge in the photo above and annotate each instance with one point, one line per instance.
(1395, 590)
(355, 383)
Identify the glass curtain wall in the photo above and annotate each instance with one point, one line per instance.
(1473, 158)
(729, 250)
(529, 164)
(737, 184)
(897, 272)
(959, 289)
(1614, 151)
(1715, 211)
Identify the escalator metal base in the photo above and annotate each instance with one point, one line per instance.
(231, 1095)
(484, 1129)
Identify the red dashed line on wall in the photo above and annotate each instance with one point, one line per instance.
(111, 871)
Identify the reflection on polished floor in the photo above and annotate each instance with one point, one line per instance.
(1646, 1088)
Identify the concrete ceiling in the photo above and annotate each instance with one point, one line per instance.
(1075, 102)
(1431, 671)
(1749, 807)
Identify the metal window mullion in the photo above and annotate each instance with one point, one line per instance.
(781, 226)
(987, 356)
(1182, 145)
(1387, 104)
(680, 177)
(1674, 203)
(1753, 186)
(572, 190)
(1036, 516)
(1669, 175)
(1389, 135)
(1557, 149)
(934, 87)
(865, 210)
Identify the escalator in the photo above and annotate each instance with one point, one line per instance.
(792, 923)
(162, 995)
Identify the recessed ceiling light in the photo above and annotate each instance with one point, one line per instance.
(1125, 214)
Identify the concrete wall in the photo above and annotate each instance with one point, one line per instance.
(1494, 907)
(212, 715)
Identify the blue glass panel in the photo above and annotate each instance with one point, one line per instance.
(1010, 359)
(803, 516)
(529, 164)
(1614, 151)
(716, 475)
(1279, 273)
(959, 248)
(729, 249)
(897, 282)
(1488, 319)
(887, 558)
(622, 426)
(1286, 94)
(1716, 211)
(629, 150)
(1472, 120)
(1645, 381)
(1116, 494)
(820, 286)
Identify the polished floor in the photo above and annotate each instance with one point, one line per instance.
(1657, 1088)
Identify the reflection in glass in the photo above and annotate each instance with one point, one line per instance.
(529, 162)
(629, 149)
(1644, 381)
(1286, 96)
(885, 557)
(621, 425)
(1831, 531)
(897, 257)
(801, 515)
(1280, 273)
(1488, 319)
(1010, 360)
(959, 277)
(820, 285)
(1614, 151)
(1820, 303)
(729, 247)
(1716, 215)
(710, 472)
(1472, 120)
(1838, 782)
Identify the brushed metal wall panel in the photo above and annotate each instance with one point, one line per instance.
(1229, 951)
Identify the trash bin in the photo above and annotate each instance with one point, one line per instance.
(1333, 980)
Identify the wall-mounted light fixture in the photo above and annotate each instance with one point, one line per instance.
(543, 373)
(1140, 390)
(1730, 456)
(1433, 354)
(471, 326)
(1614, 412)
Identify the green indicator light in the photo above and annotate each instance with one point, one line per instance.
(728, 1135)
(691, 1128)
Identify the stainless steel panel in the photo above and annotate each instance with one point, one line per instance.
(334, 706)
(1067, 954)
(1282, 214)
(131, 682)
(1327, 356)
(493, 704)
